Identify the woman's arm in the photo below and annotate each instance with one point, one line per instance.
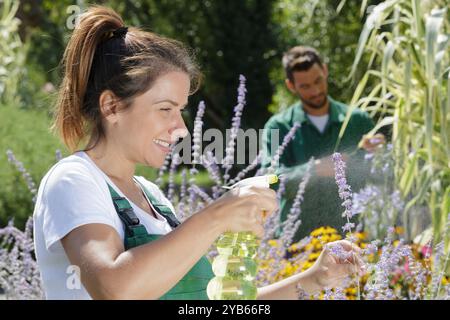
(150, 270)
(286, 289)
(328, 271)
(143, 272)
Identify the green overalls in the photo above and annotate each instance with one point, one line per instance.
(193, 285)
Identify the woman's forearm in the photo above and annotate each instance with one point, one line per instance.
(286, 289)
(150, 270)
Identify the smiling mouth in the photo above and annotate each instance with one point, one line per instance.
(162, 143)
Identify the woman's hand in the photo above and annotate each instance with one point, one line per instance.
(242, 209)
(338, 260)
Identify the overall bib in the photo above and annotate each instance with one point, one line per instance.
(193, 285)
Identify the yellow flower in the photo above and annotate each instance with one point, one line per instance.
(273, 243)
(313, 256)
(317, 232)
(307, 265)
(335, 237)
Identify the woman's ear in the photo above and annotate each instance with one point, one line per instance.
(109, 105)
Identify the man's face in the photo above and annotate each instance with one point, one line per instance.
(311, 86)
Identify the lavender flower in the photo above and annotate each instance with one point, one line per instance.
(287, 138)
(202, 194)
(209, 162)
(197, 135)
(345, 192)
(19, 273)
(292, 222)
(244, 172)
(181, 204)
(236, 123)
(176, 161)
(371, 248)
(272, 223)
(163, 169)
(338, 251)
(438, 271)
(25, 174)
(58, 155)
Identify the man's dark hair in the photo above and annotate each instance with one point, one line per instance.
(300, 58)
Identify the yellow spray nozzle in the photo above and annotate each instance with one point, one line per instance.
(272, 178)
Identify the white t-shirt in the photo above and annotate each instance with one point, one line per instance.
(74, 192)
(319, 122)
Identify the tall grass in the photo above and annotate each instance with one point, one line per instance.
(408, 72)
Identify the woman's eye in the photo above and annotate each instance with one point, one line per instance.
(165, 109)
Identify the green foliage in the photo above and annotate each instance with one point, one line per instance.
(26, 133)
(228, 39)
(12, 53)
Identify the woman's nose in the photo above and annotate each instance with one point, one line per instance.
(179, 130)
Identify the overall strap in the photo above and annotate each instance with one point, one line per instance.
(133, 228)
(162, 209)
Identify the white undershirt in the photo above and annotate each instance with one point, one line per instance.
(319, 122)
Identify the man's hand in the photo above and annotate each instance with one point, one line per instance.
(325, 167)
(371, 143)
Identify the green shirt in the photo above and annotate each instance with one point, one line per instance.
(321, 204)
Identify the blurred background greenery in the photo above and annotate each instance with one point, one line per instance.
(228, 37)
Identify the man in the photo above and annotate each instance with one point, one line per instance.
(321, 119)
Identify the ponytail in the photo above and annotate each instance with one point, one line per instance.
(94, 27)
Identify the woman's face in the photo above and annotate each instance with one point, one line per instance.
(154, 120)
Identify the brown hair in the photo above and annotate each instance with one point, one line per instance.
(104, 55)
(300, 58)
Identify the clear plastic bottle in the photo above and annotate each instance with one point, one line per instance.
(235, 267)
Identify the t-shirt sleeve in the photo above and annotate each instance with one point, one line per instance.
(72, 198)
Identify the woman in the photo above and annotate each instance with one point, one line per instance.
(124, 91)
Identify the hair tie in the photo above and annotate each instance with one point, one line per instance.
(120, 32)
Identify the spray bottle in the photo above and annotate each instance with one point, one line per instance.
(235, 267)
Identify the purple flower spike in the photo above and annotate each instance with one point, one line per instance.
(345, 191)
(235, 125)
(197, 134)
(287, 138)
